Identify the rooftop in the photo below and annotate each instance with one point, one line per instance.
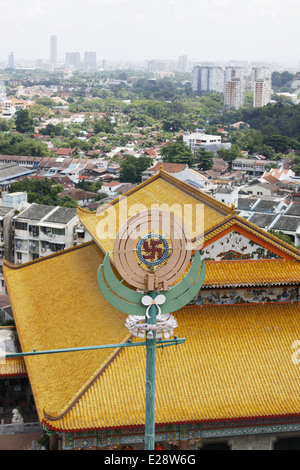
(62, 215)
(35, 212)
(162, 188)
(53, 214)
(235, 353)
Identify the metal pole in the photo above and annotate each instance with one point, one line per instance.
(150, 381)
(161, 344)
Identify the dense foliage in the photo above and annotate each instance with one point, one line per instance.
(43, 191)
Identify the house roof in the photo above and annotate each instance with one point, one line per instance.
(77, 194)
(35, 212)
(64, 151)
(168, 167)
(106, 388)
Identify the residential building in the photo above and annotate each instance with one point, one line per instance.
(262, 89)
(182, 63)
(227, 195)
(272, 213)
(11, 61)
(234, 72)
(8, 109)
(90, 60)
(234, 93)
(73, 59)
(250, 165)
(160, 67)
(83, 198)
(209, 79)
(6, 241)
(199, 140)
(234, 87)
(41, 230)
(11, 172)
(53, 51)
(259, 73)
(261, 189)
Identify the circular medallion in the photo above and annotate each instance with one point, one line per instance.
(152, 250)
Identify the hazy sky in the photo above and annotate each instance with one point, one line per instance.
(215, 30)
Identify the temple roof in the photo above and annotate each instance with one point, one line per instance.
(244, 371)
(167, 192)
(235, 363)
(252, 273)
(161, 191)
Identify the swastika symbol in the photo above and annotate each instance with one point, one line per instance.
(154, 250)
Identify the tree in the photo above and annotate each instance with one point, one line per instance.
(204, 159)
(177, 152)
(43, 191)
(282, 236)
(172, 123)
(24, 123)
(230, 154)
(133, 167)
(104, 125)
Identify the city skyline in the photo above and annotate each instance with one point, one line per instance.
(206, 30)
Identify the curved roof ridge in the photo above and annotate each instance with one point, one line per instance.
(10, 265)
(57, 415)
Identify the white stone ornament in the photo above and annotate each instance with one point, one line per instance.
(148, 301)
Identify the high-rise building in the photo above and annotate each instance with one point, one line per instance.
(182, 63)
(90, 60)
(234, 87)
(53, 51)
(262, 86)
(72, 59)
(234, 72)
(234, 93)
(260, 72)
(262, 90)
(207, 79)
(11, 61)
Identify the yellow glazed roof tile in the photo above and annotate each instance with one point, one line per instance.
(12, 367)
(251, 273)
(161, 191)
(57, 304)
(236, 362)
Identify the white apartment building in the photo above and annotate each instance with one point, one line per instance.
(251, 166)
(234, 87)
(42, 230)
(262, 86)
(233, 72)
(262, 89)
(260, 72)
(198, 140)
(207, 79)
(8, 109)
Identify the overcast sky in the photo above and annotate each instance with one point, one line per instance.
(205, 30)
